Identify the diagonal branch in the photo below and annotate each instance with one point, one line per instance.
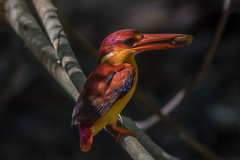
(54, 30)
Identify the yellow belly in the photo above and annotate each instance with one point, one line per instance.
(112, 114)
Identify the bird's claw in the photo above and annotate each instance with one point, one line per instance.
(122, 131)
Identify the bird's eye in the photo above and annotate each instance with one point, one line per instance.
(129, 42)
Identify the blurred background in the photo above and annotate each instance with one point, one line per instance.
(35, 111)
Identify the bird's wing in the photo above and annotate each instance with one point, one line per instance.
(105, 85)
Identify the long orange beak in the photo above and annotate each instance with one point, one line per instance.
(169, 41)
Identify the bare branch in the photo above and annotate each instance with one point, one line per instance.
(27, 28)
(130, 144)
(165, 110)
(157, 152)
(139, 153)
(54, 29)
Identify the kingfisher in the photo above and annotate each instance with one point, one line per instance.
(110, 86)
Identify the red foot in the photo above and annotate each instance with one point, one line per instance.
(122, 131)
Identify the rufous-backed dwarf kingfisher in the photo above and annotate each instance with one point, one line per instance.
(111, 85)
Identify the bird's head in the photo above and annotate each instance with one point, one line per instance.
(122, 45)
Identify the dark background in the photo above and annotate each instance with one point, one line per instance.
(35, 111)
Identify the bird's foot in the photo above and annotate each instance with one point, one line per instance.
(122, 131)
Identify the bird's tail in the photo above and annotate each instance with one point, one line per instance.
(86, 136)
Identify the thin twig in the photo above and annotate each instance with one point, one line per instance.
(165, 110)
(26, 27)
(210, 54)
(182, 94)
